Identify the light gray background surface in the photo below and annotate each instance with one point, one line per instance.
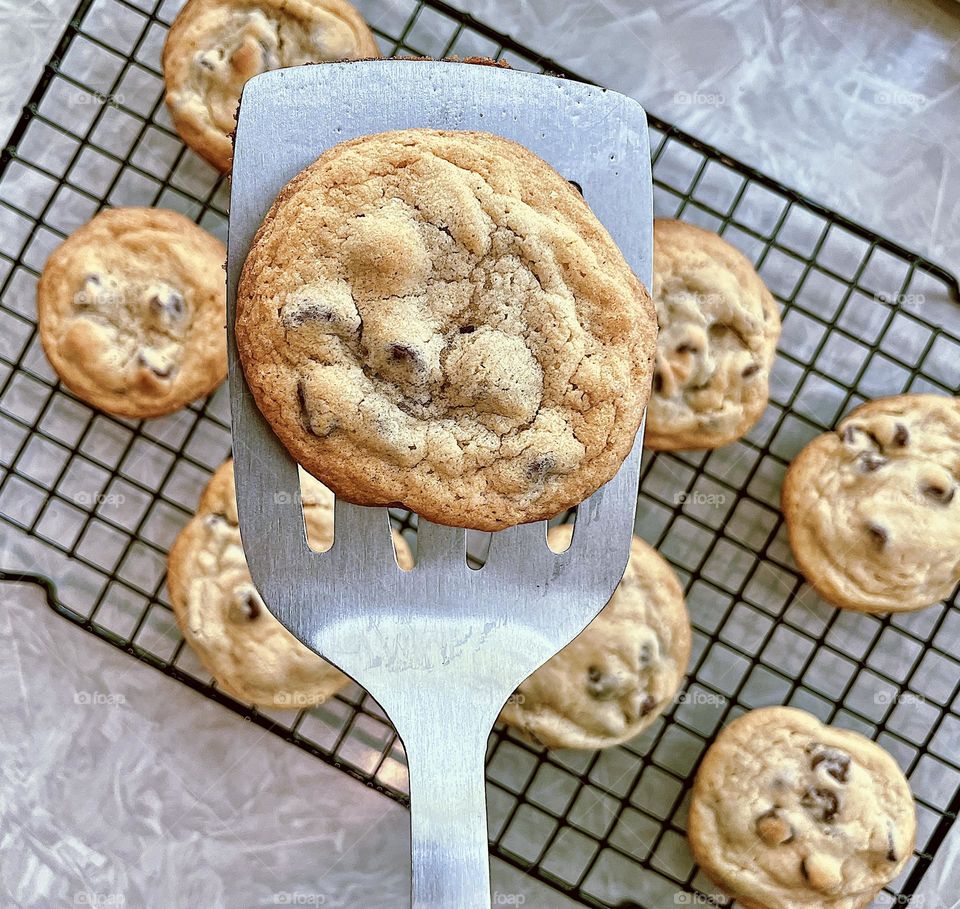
(856, 104)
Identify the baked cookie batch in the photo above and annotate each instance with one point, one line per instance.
(214, 46)
(131, 309)
(614, 679)
(719, 327)
(872, 509)
(787, 813)
(437, 320)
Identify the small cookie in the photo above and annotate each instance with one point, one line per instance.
(719, 327)
(220, 614)
(215, 46)
(788, 813)
(131, 309)
(619, 674)
(438, 319)
(872, 509)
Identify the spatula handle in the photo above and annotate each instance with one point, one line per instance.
(448, 818)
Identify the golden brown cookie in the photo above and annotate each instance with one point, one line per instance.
(131, 309)
(872, 509)
(619, 674)
(250, 654)
(437, 319)
(215, 46)
(788, 813)
(719, 327)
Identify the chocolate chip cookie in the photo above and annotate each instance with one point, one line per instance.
(250, 654)
(788, 813)
(131, 310)
(215, 46)
(719, 327)
(438, 320)
(872, 509)
(621, 672)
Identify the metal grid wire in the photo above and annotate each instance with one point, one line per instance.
(93, 502)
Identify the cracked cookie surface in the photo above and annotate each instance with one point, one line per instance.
(619, 674)
(872, 509)
(215, 46)
(131, 310)
(719, 327)
(220, 614)
(788, 813)
(437, 319)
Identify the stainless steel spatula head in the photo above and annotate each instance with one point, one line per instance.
(443, 646)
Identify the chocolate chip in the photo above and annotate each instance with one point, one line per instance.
(871, 461)
(540, 467)
(89, 290)
(833, 761)
(647, 705)
(878, 535)
(249, 605)
(891, 846)
(168, 303)
(305, 418)
(901, 436)
(645, 657)
(296, 317)
(751, 369)
(402, 352)
(941, 494)
(406, 356)
(774, 829)
(821, 803)
(302, 402)
(467, 329)
(603, 686)
(161, 372)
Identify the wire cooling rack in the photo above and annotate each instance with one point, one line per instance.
(90, 503)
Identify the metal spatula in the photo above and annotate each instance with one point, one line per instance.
(440, 647)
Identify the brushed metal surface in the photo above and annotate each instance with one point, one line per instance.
(440, 647)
